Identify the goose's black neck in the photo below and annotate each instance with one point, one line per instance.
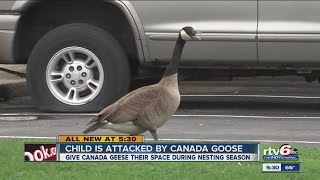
(173, 67)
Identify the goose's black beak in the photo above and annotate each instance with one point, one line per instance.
(195, 35)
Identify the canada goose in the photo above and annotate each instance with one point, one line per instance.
(149, 107)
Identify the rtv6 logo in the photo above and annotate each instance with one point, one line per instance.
(284, 150)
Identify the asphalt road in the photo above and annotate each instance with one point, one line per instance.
(262, 109)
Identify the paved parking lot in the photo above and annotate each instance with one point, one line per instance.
(283, 109)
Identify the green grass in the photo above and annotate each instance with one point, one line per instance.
(12, 166)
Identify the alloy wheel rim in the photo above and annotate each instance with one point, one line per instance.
(74, 75)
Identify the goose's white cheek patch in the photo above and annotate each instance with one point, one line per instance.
(185, 36)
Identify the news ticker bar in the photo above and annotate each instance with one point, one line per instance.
(157, 152)
(157, 157)
(281, 167)
(157, 148)
(133, 148)
(89, 139)
(116, 151)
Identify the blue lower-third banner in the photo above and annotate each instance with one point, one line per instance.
(158, 152)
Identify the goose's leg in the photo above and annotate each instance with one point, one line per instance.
(154, 134)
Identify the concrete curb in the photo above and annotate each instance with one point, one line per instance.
(12, 90)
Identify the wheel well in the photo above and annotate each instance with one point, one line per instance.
(46, 15)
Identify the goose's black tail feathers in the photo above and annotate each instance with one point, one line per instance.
(94, 127)
(95, 119)
(96, 124)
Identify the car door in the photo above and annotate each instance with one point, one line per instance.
(228, 30)
(289, 31)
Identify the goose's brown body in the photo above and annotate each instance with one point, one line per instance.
(148, 108)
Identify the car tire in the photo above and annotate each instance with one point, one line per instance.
(98, 63)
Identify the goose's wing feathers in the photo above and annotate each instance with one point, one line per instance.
(153, 109)
(128, 107)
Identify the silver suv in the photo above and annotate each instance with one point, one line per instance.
(82, 55)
